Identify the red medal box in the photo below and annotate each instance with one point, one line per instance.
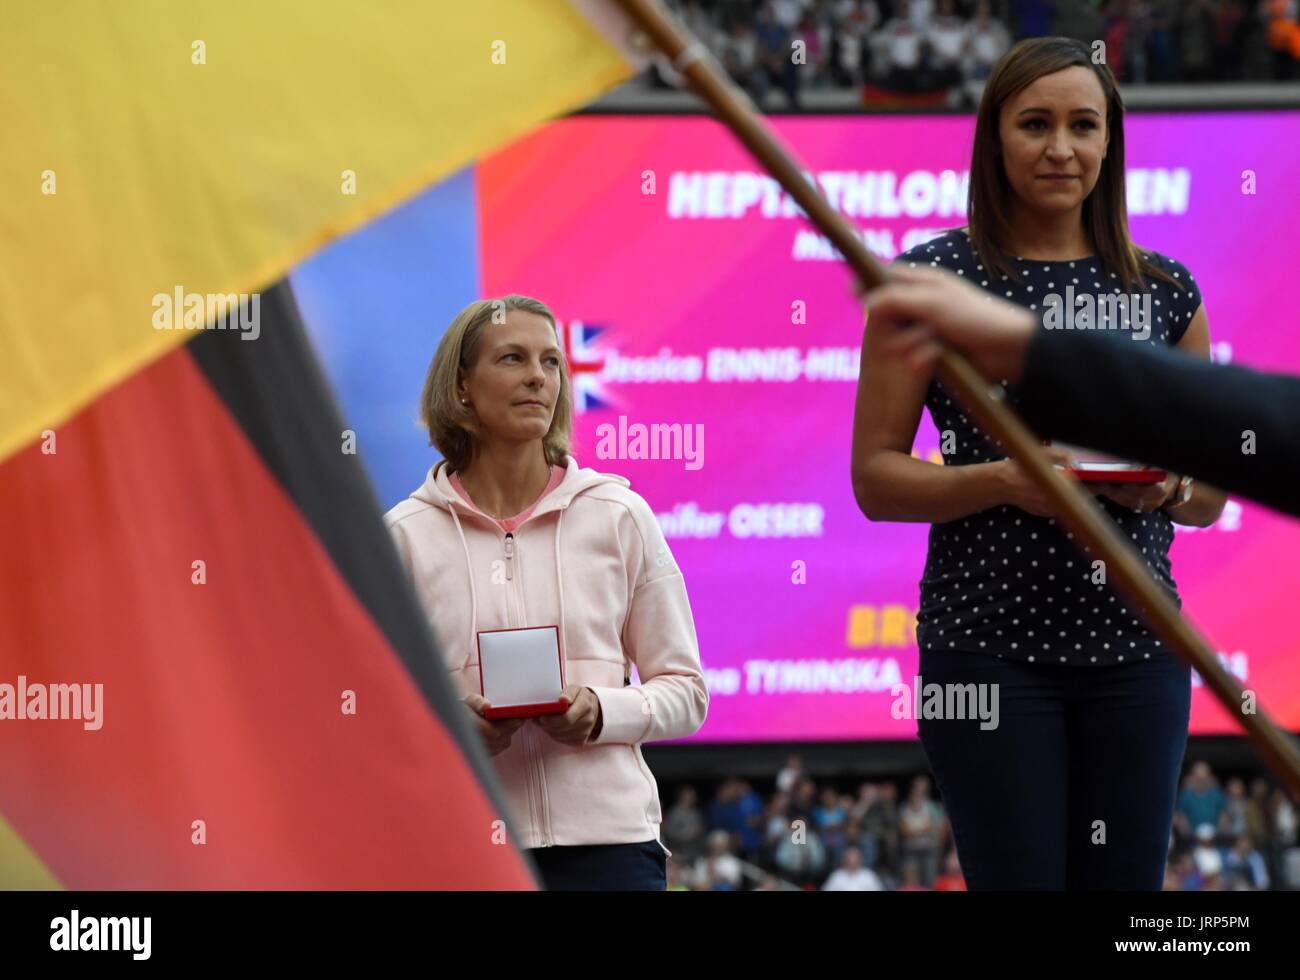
(1094, 467)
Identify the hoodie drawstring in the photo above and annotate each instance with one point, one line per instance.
(434, 493)
(559, 580)
(473, 593)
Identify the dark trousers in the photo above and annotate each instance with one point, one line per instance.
(602, 867)
(1075, 787)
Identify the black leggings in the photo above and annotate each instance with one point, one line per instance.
(1075, 787)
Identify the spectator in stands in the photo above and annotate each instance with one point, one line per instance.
(738, 810)
(1115, 29)
(1282, 824)
(1139, 16)
(1244, 864)
(831, 812)
(1189, 878)
(722, 809)
(1257, 62)
(989, 41)
(684, 825)
(920, 12)
(788, 13)
(800, 855)
(1195, 31)
(901, 45)
(920, 824)
(719, 870)
(1163, 57)
(751, 810)
(856, 21)
(868, 793)
(950, 880)
(679, 876)
(790, 774)
(856, 837)
(948, 38)
(1173, 881)
(815, 34)
(1284, 37)
(1229, 38)
(912, 880)
(849, 56)
(804, 801)
(730, 11)
(1208, 860)
(829, 817)
(777, 826)
(775, 53)
(881, 823)
(740, 56)
(699, 22)
(1232, 822)
(853, 876)
(1257, 812)
(1033, 18)
(1200, 803)
(1079, 19)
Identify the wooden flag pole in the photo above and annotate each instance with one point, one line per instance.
(1074, 507)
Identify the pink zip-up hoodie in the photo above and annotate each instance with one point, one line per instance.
(591, 559)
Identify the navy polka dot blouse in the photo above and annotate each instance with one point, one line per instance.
(1004, 582)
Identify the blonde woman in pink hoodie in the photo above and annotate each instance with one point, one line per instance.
(507, 531)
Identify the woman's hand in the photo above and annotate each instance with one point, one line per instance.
(580, 722)
(496, 733)
(1139, 497)
(922, 308)
(1019, 490)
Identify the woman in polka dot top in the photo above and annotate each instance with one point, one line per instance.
(1074, 785)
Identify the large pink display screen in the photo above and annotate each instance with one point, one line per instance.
(694, 297)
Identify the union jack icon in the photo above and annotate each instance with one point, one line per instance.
(582, 348)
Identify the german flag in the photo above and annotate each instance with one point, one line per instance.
(213, 672)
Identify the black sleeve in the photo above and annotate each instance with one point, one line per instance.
(1232, 427)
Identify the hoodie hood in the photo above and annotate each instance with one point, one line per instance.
(438, 491)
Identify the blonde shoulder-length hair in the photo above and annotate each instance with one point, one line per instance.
(453, 429)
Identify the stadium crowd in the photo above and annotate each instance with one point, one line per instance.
(920, 46)
(814, 835)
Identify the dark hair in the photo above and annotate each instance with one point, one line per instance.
(1105, 211)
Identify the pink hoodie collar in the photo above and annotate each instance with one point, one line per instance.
(438, 490)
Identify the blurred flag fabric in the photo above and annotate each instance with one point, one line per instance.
(179, 517)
